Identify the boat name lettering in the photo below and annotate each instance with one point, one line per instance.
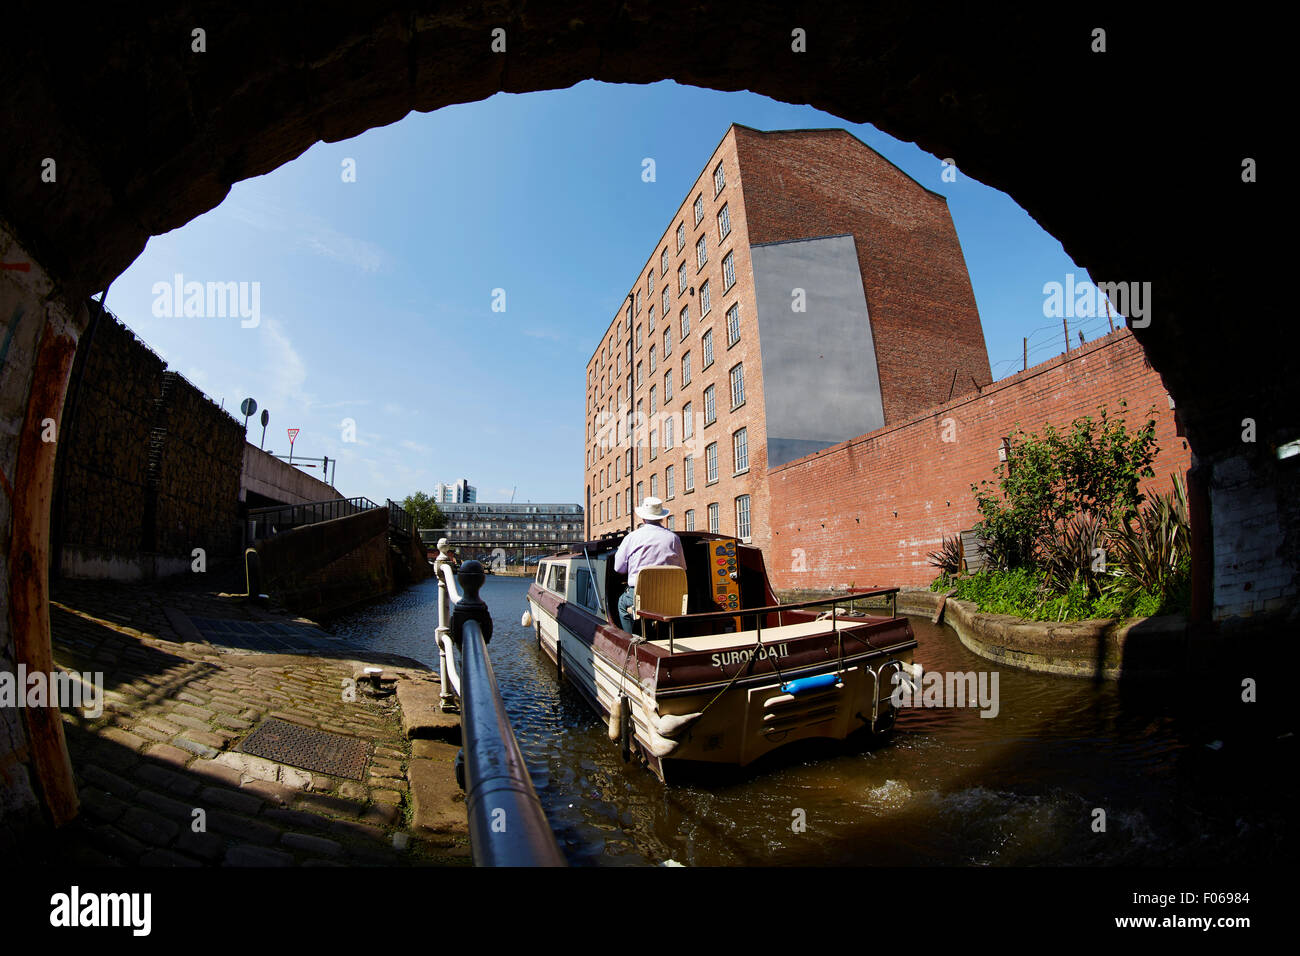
(733, 657)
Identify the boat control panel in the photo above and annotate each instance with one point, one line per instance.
(724, 579)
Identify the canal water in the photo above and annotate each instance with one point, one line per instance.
(1068, 772)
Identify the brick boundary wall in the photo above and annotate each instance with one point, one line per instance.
(123, 516)
(867, 511)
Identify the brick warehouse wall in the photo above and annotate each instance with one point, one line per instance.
(806, 183)
(118, 506)
(833, 521)
(750, 415)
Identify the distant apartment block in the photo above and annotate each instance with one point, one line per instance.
(807, 291)
(460, 492)
(519, 530)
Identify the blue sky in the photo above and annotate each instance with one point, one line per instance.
(376, 295)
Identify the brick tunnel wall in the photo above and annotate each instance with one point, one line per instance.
(833, 513)
(119, 509)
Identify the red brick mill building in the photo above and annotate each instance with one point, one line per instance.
(790, 353)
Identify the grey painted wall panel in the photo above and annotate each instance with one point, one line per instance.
(820, 381)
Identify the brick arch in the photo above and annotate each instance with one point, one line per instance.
(147, 134)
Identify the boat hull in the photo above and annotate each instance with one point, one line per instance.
(723, 703)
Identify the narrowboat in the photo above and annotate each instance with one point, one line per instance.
(718, 672)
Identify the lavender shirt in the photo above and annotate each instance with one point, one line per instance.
(648, 546)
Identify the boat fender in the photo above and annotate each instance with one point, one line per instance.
(527, 620)
(661, 746)
(674, 724)
(616, 713)
(805, 684)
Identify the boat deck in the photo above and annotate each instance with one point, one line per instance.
(742, 639)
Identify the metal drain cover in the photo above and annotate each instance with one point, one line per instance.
(308, 748)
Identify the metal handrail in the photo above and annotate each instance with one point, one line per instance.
(507, 826)
(770, 609)
(287, 517)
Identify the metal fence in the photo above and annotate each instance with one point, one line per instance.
(399, 518)
(280, 518)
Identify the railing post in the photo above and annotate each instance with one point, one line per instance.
(449, 680)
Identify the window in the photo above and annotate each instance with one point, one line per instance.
(668, 342)
(699, 208)
(668, 433)
(672, 523)
(650, 320)
(713, 518)
(668, 385)
(710, 410)
(627, 502)
(620, 396)
(638, 301)
(688, 473)
(663, 264)
(705, 305)
(718, 180)
(558, 578)
(618, 468)
(627, 469)
(688, 421)
(654, 394)
(640, 377)
(690, 520)
(681, 278)
(681, 236)
(733, 325)
(638, 336)
(664, 299)
(650, 281)
(585, 594)
(686, 369)
(684, 319)
(668, 481)
(654, 485)
(708, 348)
(742, 516)
(724, 224)
(740, 449)
(711, 463)
(701, 252)
(629, 354)
(640, 491)
(627, 319)
(728, 271)
(738, 385)
(652, 360)
(654, 445)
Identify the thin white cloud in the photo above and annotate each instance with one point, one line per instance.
(311, 232)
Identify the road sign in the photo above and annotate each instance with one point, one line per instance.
(293, 433)
(248, 406)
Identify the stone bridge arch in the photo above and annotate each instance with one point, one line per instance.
(1132, 157)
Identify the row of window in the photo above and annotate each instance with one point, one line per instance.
(688, 522)
(612, 473)
(737, 376)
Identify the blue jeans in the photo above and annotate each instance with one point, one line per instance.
(625, 605)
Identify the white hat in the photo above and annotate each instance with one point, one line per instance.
(652, 509)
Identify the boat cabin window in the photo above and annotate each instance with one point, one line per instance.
(557, 578)
(584, 590)
(541, 572)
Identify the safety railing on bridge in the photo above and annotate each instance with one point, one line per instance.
(399, 518)
(280, 518)
(507, 826)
